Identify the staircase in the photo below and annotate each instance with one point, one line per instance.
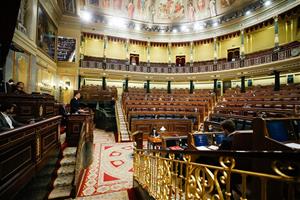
(124, 133)
(62, 186)
(38, 187)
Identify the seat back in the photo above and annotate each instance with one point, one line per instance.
(200, 140)
(219, 138)
(242, 140)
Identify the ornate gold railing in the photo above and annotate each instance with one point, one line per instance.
(218, 175)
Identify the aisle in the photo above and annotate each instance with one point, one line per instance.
(111, 173)
(124, 133)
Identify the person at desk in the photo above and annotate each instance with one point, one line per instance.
(10, 86)
(228, 127)
(7, 122)
(74, 104)
(19, 88)
(154, 132)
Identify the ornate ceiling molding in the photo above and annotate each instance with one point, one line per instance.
(223, 29)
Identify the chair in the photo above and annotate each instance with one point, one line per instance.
(239, 125)
(200, 140)
(248, 125)
(242, 140)
(219, 138)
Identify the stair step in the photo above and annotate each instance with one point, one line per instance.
(70, 151)
(68, 161)
(68, 169)
(60, 192)
(63, 180)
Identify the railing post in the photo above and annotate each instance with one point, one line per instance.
(187, 175)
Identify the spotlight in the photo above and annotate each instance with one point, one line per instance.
(117, 22)
(215, 24)
(137, 27)
(184, 29)
(248, 12)
(198, 26)
(267, 3)
(86, 16)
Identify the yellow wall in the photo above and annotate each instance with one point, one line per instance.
(180, 51)
(93, 47)
(115, 50)
(159, 54)
(204, 52)
(139, 49)
(224, 45)
(260, 40)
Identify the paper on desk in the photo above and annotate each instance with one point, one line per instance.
(213, 147)
(203, 148)
(293, 145)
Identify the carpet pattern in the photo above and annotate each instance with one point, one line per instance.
(112, 167)
(121, 195)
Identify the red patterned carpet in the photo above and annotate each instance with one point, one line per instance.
(112, 168)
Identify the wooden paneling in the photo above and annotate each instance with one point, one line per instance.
(178, 126)
(74, 126)
(23, 151)
(37, 106)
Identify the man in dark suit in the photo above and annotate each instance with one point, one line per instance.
(228, 127)
(10, 86)
(7, 122)
(19, 88)
(74, 104)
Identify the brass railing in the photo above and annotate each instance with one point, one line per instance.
(218, 174)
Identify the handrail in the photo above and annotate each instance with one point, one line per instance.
(284, 155)
(118, 122)
(178, 176)
(28, 126)
(198, 67)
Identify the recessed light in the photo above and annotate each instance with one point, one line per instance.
(267, 3)
(86, 16)
(137, 27)
(215, 24)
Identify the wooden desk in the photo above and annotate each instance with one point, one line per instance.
(176, 139)
(181, 126)
(154, 142)
(24, 151)
(74, 125)
(31, 106)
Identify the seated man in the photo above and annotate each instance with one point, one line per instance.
(228, 127)
(154, 132)
(74, 104)
(10, 86)
(6, 121)
(19, 88)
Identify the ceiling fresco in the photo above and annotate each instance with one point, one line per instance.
(164, 11)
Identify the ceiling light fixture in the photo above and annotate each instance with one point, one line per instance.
(248, 12)
(215, 24)
(85, 16)
(137, 27)
(117, 22)
(267, 3)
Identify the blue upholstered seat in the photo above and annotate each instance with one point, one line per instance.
(219, 138)
(201, 140)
